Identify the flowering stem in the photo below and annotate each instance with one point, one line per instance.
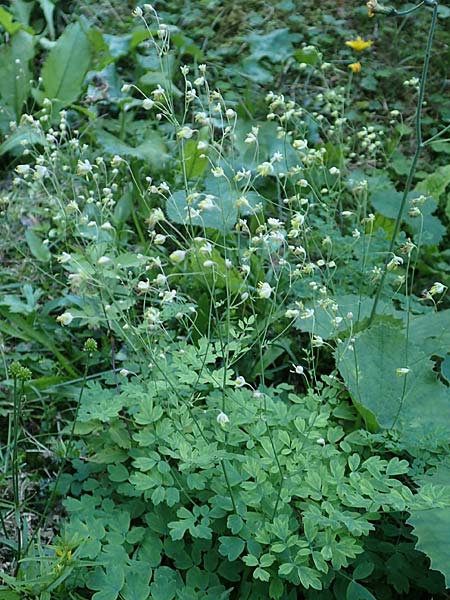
(419, 148)
(403, 13)
(15, 472)
(390, 11)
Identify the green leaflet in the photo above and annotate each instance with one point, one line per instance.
(231, 547)
(108, 583)
(165, 584)
(136, 586)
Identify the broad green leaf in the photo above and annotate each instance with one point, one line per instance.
(119, 45)
(429, 228)
(9, 595)
(21, 138)
(322, 323)
(38, 249)
(66, 65)
(436, 183)
(153, 150)
(158, 495)
(400, 163)
(48, 9)
(415, 404)
(7, 22)
(152, 79)
(356, 591)
(231, 547)
(221, 214)
(187, 46)
(123, 208)
(432, 332)
(445, 368)
(276, 45)
(16, 304)
(443, 12)
(439, 146)
(220, 276)
(21, 9)
(15, 73)
(172, 496)
(193, 162)
(255, 71)
(119, 434)
(108, 455)
(308, 55)
(430, 520)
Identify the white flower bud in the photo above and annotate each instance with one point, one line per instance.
(222, 419)
(178, 256)
(65, 319)
(264, 290)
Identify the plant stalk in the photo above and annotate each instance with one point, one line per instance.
(419, 148)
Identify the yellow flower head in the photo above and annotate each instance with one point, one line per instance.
(355, 67)
(359, 44)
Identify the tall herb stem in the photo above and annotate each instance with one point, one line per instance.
(419, 145)
(15, 472)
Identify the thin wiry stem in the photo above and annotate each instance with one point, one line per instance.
(419, 148)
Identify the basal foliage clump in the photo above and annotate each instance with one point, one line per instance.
(259, 391)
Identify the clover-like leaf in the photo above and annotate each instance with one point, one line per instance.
(231, 547)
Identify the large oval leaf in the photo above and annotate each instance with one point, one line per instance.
(66, 65)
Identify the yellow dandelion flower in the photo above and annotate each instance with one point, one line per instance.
(355, 67)
(359, 44)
